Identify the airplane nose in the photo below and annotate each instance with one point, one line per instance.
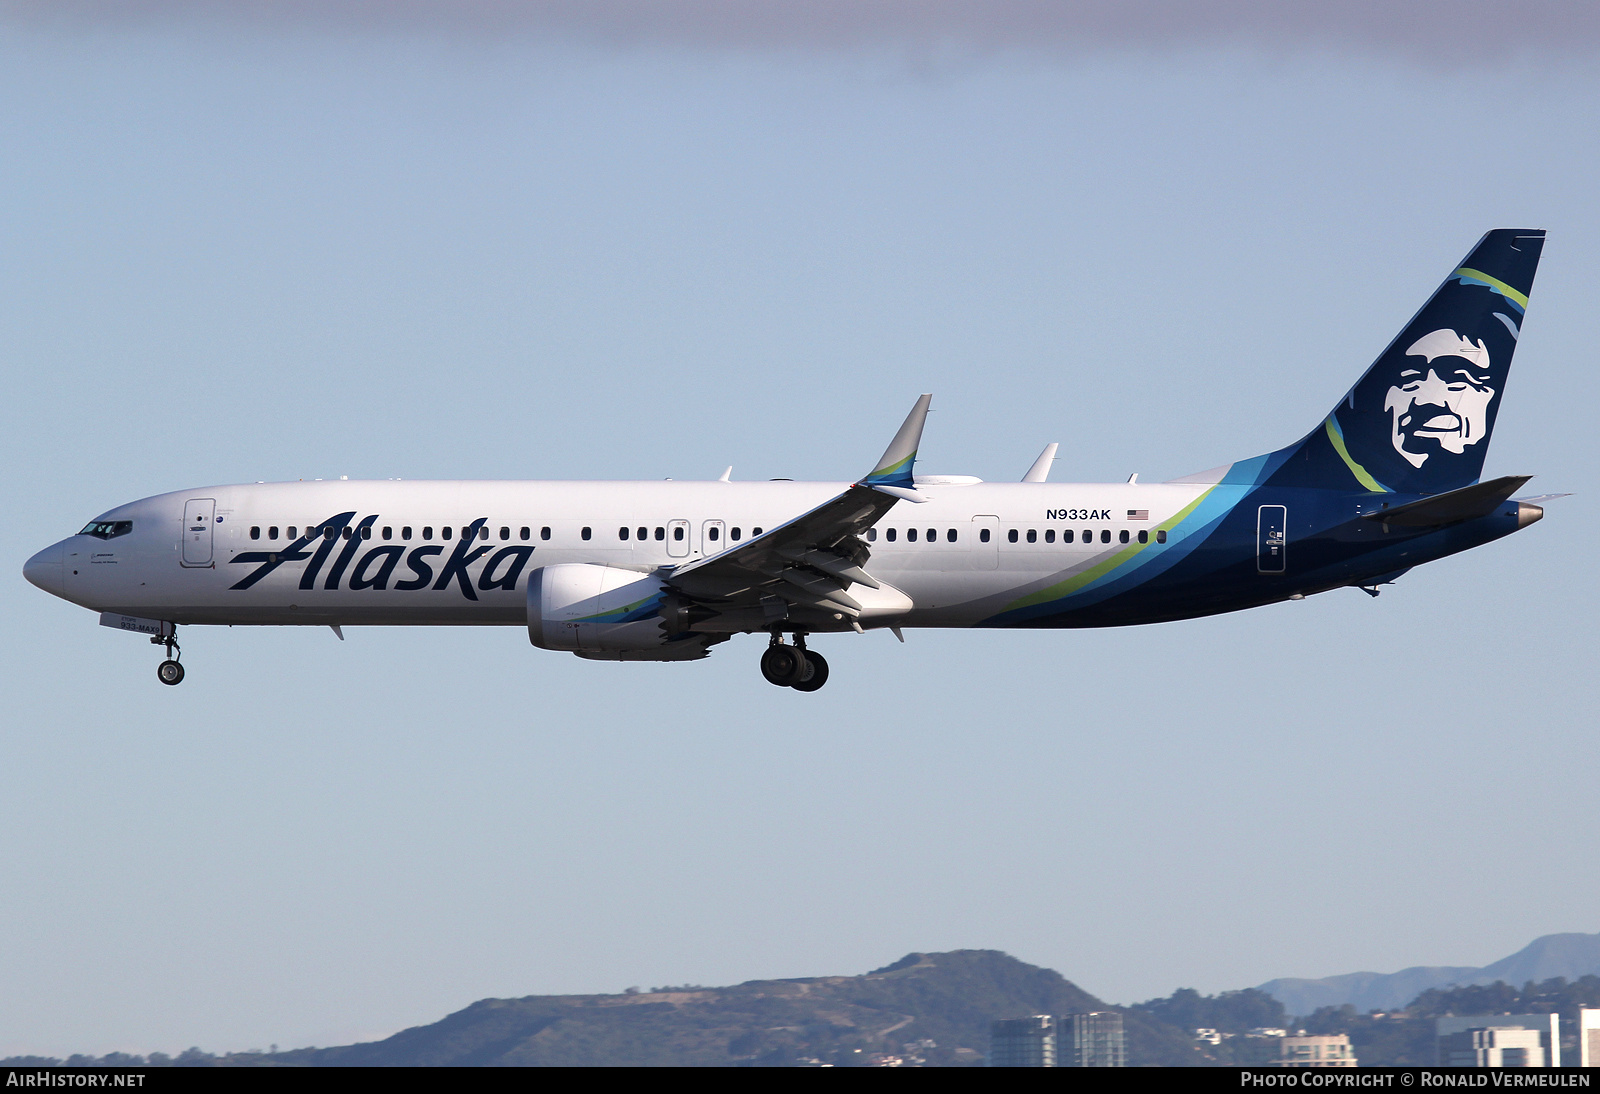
(44, 570)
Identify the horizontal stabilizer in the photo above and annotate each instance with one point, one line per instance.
(1478, 500)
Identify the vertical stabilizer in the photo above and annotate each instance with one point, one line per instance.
(1420, 420)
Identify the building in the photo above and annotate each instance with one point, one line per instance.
(1091, 1040)
(1094, 1039)
(1500, 1040)
(1321, 1051)
(1492, 1046)
(1588, 1037)
(1023, 1042)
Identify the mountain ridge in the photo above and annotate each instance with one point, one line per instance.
(1569, 955)
(934, 1006)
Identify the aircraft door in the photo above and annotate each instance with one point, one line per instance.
(985, 543)
(713, 537)
(1272, 532)
(678, 539)
(199, 517)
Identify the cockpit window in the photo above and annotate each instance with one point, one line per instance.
(107, 529)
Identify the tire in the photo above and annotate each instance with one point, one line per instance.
(783, 665)
(170, 673)
(818, 674)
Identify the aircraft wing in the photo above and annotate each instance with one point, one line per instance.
(808, 563)
(1472, 501)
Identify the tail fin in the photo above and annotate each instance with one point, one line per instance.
(1419, 421)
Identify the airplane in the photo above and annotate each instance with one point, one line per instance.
(664, 571)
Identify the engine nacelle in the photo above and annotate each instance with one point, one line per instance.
(602, 611)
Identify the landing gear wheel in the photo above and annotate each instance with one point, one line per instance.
(816, 674)
(783, 665)
(169, 672)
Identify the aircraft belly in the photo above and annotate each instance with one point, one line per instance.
(321, 615)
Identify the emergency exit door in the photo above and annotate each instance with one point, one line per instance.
(1272, 531)
(677, 538)
(713, 537)
(199, 515)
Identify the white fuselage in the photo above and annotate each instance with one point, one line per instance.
(181, 560)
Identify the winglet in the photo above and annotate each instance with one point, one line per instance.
(1040, 471)
(895, 467)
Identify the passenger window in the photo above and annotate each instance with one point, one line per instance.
(1011, 536)
(983, 535)
(1066, 535)
(622, 533)
(933, 535)
(1144, 536)
(872, 535)
(1122, 536)
(643, 533)
(483, 532)
(388, 532)
(331, 533)
(366, 531)
(405, 533)
(505, 533)
(1161, 535)
(446, 532)
(255, 531)
(661, 533)
(272, 533)
(755, 531)
(427, 532)
(1088, 535)
(889, 535)
(524, 532)
(950, 535)
(735, 534)
(677, 535)
(1049, 535)
(1033, 536)
(911, 535)
(544, 533)
(291, 532)
(712, 533)
(586, 533)
(1105, 535)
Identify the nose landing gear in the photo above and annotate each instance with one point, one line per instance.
(170, 671)
(793, 666)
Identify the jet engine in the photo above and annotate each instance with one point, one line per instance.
(605, 613)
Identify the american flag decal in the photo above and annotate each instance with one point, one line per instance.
(1138, 514)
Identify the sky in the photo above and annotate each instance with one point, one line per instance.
(621, 240)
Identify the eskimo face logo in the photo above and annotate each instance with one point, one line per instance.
(1440, 403)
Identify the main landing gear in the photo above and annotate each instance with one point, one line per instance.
(793, 666)
(169, 672)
